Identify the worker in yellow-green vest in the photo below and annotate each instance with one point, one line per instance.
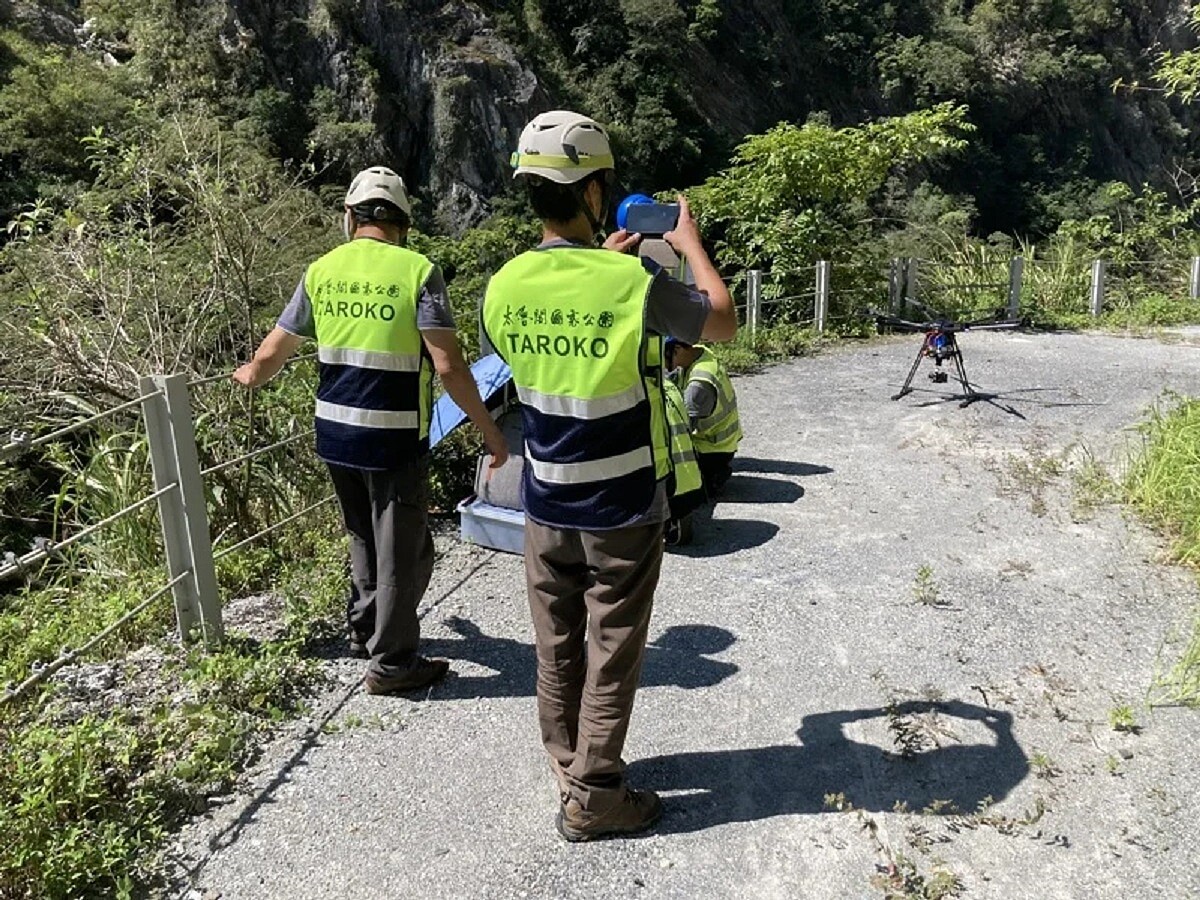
(382, 322)
(687, 492)
(582, 329)
(712, 410)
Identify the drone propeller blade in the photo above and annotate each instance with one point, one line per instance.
(892, 321)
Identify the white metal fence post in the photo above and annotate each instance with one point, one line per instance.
(195, 507)
(753, 298)
(1097, 297)
(821, 305)
(1016, 275)
(1194, 281)
(895, 284)
(171, 516)
(910, 281)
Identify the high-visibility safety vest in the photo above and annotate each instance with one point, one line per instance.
(688, 477)
(570, 323)
(376, 377)
(721, 431)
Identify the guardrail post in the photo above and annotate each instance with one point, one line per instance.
(821, 306)
(1097, 297)
(753, 299)
(171, 516)
(895, 284)
(182, 512)
(910, 281)
(1194, 281)
(1016, 274)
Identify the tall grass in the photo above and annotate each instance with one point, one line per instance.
(1163, 484)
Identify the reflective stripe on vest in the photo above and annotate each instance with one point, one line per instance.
(570, 323)
(367, 418)
(370, 359)
(581, 408)
(592, 470)
(688, 477)
(721, 431)
(376, 380)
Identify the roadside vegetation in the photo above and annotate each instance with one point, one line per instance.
(159, 208)
(1164, 486)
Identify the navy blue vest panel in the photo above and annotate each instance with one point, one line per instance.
(567, 440)
(367, 448)
(368, 388)
(601, 504)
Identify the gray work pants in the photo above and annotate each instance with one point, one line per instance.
(386, 514)
(590, 594)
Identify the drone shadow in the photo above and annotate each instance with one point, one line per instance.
(992, 398)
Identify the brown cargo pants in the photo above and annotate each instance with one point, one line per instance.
(590, 594)
(386, 514)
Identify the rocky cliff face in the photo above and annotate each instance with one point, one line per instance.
(447, 96)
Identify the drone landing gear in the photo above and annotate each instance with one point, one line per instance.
(941, 345)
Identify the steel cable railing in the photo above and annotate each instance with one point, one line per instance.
(270, 528)
(69, 656)
(20, 443)
(229, 463)
(48, 549)
(228, 376)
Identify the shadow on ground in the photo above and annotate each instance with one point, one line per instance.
(755, 489)
(717, 537)
(777, 466)
(747, 785)
(679, 657)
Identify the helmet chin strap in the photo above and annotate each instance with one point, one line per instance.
(597, 225)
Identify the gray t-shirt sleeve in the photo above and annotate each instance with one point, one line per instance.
(700, 399)
(297, 316)
(433, 306)
(675, 310)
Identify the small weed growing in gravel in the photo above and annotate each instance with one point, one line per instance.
(1091, 487)
(925, 589)
(1112, 764)
(1043, 766)
(1180, 685)
(1121, 719)
(902, 880)
(984, 817)
(838, 802)
(1028, 474)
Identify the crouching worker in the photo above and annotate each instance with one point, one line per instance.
(687, 492)
(382, 322)
(711, 408)
(581, 328)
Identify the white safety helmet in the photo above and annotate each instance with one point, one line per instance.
(379, 183)
(562, 146)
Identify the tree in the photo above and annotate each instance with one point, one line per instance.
(801, 193)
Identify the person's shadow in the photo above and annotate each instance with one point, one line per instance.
(742, 488)
(778, 466)
(679, 657)
(719, 537)
(724, 786)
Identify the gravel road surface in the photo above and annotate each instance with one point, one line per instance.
(892, 651)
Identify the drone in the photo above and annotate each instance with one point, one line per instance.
(941, 344)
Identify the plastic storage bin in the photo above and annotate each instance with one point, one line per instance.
(492, 526)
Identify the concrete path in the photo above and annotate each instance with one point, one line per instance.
(891, 654)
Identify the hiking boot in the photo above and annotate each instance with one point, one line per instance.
(637, 811)
(424, 672)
